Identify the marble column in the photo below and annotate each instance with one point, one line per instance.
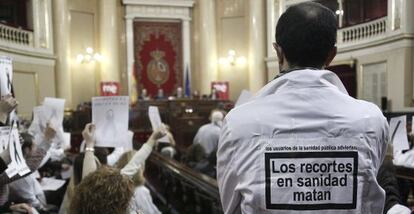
(186, 48)
(257, 41)
(61, 39)
(208, 45)
(108, 29)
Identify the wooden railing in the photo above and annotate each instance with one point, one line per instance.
(16, 35)
(182, 188)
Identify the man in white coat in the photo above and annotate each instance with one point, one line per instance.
(302, 144)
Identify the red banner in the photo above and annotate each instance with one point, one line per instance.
(158, 56)
(110, 88)
(221, 89)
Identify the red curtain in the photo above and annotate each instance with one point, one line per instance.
(158, 56)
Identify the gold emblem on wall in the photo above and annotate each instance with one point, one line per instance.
(157, 69)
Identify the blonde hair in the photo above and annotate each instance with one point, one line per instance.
(138, 177)
(104, 191)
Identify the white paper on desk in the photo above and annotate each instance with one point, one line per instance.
(398, 133)
(18, 163)
(244, 97)
(66, 174)
(6, 75)
(155, 119)
(51, 184)
(110, 116)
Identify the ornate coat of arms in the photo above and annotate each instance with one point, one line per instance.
(158, 70)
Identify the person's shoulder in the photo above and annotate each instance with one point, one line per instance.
(370, 109)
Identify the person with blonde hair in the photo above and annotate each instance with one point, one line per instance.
(108, 190)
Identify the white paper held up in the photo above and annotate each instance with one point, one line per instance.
(6, 75)
(398, 133)
(110, 116)
(18, 163)
(155, 119)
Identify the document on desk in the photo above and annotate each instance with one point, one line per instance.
(51, 184)
(398, 133)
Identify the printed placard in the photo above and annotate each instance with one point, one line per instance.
(18, 163)
(6, 75)
(110, 116)
(311, 180)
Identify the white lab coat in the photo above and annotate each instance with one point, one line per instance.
(142, 202)
(207, 136)
(292, 120)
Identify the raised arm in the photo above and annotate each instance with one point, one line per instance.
(89, 164)
(139, 158)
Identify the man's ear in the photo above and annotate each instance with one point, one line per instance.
(331, 56)
(279, 53)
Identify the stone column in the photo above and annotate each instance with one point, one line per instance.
(257, 41)
(61, 27)
(208, 45)
(186, 48)
(108, 29)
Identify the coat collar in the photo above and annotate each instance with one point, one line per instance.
(302, 79)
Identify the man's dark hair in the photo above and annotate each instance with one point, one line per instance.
(306, 33)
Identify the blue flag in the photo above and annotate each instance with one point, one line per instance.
(187, 83)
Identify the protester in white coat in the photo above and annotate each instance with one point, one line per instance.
(302, 144)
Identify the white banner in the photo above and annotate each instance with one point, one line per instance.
(110, 116)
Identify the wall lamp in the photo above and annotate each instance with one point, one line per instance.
(232, 59)
(88, 56)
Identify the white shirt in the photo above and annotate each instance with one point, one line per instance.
(142, 201)
(28, 188)
(207, 136)
(302, 126)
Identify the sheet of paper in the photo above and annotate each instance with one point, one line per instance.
(154, 117)
(4, 136)
(18, 163)
(55, 112)
(67, 173)
(244, 97)
(51, 184)
(398, 133)
(155, 120)
(110, 116)
(6, 75)
(66, 140)
(412, 125)
(130, 144)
